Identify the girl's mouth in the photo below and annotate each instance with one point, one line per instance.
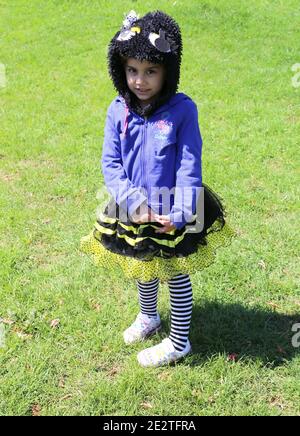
(140, 91)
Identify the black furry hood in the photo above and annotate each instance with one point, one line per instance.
(156, 37)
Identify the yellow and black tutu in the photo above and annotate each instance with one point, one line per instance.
(140, 253)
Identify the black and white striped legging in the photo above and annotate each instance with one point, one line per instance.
(181, 299)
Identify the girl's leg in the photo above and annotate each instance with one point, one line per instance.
(176, 345)
(148, 320)
(181, 299)
(148, 297)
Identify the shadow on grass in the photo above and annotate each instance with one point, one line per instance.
(242, 333)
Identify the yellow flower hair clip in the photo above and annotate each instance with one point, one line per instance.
(136, 29)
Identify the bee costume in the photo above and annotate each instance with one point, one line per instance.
(120, 244)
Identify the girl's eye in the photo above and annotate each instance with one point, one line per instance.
(131, 71)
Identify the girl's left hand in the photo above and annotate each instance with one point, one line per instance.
(165, 221)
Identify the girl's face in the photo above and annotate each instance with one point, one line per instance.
(144, 79)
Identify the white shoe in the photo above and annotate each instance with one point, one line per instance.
(162, 354)
(143, 327)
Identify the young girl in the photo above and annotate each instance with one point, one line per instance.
(162, 223)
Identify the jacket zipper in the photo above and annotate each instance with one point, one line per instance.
(145, 127)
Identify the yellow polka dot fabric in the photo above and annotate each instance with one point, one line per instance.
(158, 267)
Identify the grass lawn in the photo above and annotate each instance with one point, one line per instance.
(61, 318)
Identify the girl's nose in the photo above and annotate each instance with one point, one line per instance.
(139, 80)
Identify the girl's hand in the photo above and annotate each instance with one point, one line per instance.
(165, 221)
(143, 214)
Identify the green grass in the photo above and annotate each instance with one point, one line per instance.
(237, 67)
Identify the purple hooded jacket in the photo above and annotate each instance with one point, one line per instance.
(146, 159)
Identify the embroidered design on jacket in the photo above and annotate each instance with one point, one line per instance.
(162, 129)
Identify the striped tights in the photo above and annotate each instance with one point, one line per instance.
(181, 300)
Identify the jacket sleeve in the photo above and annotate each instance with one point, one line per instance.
(188, 168)
(117, 183)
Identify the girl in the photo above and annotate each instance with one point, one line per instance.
(162, 223)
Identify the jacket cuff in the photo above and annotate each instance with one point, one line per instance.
(177, 218)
